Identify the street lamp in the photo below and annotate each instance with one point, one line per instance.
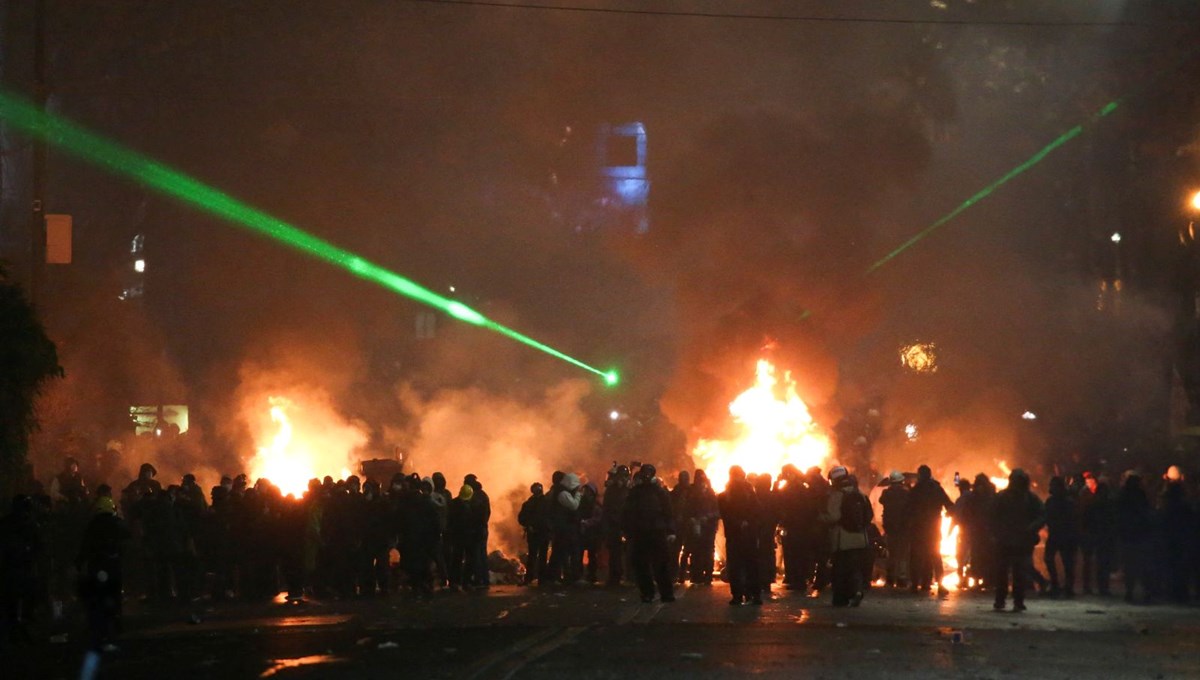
(1196, 201)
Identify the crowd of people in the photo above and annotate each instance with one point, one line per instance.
(347, 538)
(177, 544)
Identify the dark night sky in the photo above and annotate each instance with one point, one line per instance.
(785, 156)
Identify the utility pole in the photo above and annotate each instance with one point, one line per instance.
(37, 218)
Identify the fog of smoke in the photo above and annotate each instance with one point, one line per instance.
(506, 442)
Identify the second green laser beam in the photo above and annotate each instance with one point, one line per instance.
(984, 192)
(62, 133)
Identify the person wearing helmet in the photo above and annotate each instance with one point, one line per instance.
(649, 523)
(532, 519)
(1016, 516)
(894, 500)
(847, 514)
(68, 486)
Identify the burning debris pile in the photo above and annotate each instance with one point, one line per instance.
(773, 428)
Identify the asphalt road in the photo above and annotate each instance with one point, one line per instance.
(595, 632)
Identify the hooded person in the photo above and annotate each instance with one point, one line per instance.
(1062, 537)
(563, 515)
(847, 514)
(649, 522)
(1016, 517)
(927, 500)
(616, 490)
(482, 514)
(741, 515)
(532, 518)
(460, 533)
(591, 515)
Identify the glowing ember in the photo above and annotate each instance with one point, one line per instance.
(287, 461)
(919, 357)
(775, 429)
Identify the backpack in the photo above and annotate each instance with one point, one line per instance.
(854, 513)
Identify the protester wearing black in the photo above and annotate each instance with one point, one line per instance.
(99, 565)
(21, 578)
(1179, 529)
(681, 560)
(926, 502)
(1134, 533)
(703, 517)
(616, 489)
(482, 514)
(768, 522)
(894, 500)
(532, 518)
(1062, 539)
(1017, 515)
(649, 525)
(741, 516)
(1098, 538)
(789, 490)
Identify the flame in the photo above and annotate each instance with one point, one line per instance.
(286, 462)
(948, 546)
(775, 428)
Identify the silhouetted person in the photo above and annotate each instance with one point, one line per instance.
(1179, 529)
(789, 497)
(616, 489)
(100, 568)
(532, 518)
(1017, 515)
(741, 515)
(681, 559)
(1062, 539)
(650, 526)
(1133, 531)
(482, 514)
(68, 486)
(894, 500)
(926, 502)
(703, 517)
(1098, 536)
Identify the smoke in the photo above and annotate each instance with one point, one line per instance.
(507, 443)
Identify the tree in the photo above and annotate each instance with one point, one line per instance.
(28, 358)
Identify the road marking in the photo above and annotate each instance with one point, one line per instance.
(506, 663)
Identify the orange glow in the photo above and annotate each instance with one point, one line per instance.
(948, 547)
(289, 462)
(1196, 201)
(775, 428)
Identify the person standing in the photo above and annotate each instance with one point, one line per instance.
(1134, 526)
(847, 514)
(649, 524)
(703, 516)
(564, 526)
(681, 550)
(894, 500)
(532, 518)
(927, 501)
(1017, 515)
(481, 505)
(99, 564)
(740, 515)
(1062, 539)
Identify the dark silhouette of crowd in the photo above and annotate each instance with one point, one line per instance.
(176, 545)
(819, 531)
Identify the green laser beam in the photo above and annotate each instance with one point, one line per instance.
(28, 118)
(986, 191)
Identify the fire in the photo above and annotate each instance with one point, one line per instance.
(288, 463)
(948, 546)
(775, 428)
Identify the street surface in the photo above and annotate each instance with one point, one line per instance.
(595, 632)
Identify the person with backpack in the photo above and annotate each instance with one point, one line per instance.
(847, 513)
